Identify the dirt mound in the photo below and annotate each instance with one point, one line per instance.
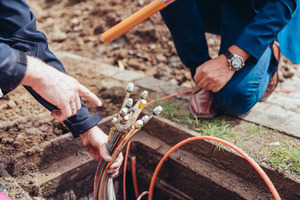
(76, 25)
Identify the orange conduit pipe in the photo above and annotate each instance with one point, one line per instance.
(124, 170)
(232, 146)
(134, 178)
(133, 20)
(133, 163)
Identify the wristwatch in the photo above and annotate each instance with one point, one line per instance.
(235, 61)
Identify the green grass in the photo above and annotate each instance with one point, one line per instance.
(215, 127)
(170, 110)
(283, 159)
(258, 129)
(254, 129)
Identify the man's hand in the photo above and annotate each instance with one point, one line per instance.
(213, 74)
(57, 88)
(94, 140)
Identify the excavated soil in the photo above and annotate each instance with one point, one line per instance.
(144, 48)
(75, 26)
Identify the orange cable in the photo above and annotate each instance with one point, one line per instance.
(96, 176)
(287, 91)
(237, 149)
(133, 163)
(134, 178)
(169, 96)
(114, 156)
(240, 151)
(124, 170)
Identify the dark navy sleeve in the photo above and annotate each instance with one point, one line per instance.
(13, 65)
(265, 26)
(18, 30)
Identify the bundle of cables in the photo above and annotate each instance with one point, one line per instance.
(123, 128)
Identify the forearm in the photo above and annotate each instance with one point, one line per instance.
(51, 87)
(79, 123)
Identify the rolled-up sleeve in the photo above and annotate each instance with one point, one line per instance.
(13, 65)
(265, 26)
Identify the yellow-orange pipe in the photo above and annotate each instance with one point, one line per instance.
(133, 20)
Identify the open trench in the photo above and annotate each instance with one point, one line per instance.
(60, 168)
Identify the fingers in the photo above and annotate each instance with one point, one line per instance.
(114, 168)
(77, 103)
(62, 114)
(208, 87)
(73, 108)
(68, 111)
(86, 93)
(104, 153)
(57, 115)
(216, 89)
(117, 163)
(203, 83)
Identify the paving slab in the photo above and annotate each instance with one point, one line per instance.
(104, 69)
(281, 111)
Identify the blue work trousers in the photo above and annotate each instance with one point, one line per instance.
(188, 20)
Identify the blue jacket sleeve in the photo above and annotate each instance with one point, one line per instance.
(18, 30)
(289, 39)
(13, 66)
(264, 28)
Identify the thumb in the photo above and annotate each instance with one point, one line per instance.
(86, 93)
(104, 153)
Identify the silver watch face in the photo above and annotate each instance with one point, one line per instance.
(237, 62)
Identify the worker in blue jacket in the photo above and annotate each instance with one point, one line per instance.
(26, 60)
(245, 71)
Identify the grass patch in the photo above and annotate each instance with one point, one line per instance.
(217, 127)
(258, 129)
(254, 129)
(171, 110)
(283, 159)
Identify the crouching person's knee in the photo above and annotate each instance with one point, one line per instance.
(235, 102)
